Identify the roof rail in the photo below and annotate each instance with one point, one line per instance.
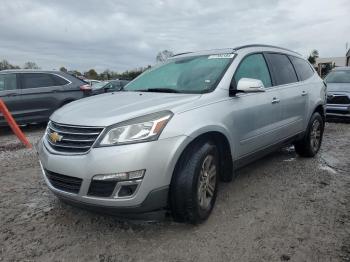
(262, 45)
(184, 53)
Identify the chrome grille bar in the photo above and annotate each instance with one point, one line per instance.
(68, 139)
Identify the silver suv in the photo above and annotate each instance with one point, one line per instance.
(176, 130)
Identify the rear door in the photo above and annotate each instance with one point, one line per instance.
(40, 95)
(306, 86)
(292, 95)
(257, 118)
(10, 95)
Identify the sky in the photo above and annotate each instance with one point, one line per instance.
(123, 35)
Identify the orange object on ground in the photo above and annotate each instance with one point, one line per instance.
(12, 123)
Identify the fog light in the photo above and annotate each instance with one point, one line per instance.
(121, 176)
(127, 190)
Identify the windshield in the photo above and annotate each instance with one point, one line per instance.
(98, 85)
(197, 74)
(338, 77)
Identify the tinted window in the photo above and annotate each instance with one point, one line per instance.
(303, 69)
(341, 76)
(254, 66)
(58, 81)
(8, 82)
(281, 69)
(124, 82)
(35, 80)
(116, 85)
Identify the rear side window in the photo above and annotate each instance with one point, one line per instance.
(35, 80)
(8, 82)
(282, 69)
(254, 66)
(59, 81)
(303, 69)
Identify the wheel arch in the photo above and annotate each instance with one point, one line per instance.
(320, 108)
(223, 143)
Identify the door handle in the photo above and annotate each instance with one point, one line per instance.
(275, 100)
(304, 93)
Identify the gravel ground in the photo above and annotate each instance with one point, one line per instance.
(281, 208)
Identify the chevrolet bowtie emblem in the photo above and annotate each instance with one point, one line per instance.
(55, 137)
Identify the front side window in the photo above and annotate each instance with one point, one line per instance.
(341, 76)
(99, 85)
(281, 69)
(254, 66)
(196, 74)
(8, 82)
(36, 80)
(303, 69)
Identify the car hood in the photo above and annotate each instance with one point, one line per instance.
(338, 87)
(111, 108)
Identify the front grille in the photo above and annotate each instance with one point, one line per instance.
(71, 139)
(338, 99)
(65, 183)
(101, 188)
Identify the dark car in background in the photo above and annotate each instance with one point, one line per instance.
(338, 93)
(32, 95)
(108, 86)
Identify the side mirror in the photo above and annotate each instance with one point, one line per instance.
(248, 85)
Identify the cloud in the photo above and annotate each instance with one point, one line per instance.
(122, 35)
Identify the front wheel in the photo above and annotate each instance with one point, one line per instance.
(311, 143)
(194, 186)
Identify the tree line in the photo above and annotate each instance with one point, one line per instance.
(92, 74)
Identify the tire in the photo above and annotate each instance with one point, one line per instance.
(193, 189)
(311, 143)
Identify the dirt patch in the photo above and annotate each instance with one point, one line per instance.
(281, 208)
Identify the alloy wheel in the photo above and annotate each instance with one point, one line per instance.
(207, 182)
(315, 135)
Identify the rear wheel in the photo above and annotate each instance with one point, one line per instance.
(311, 143)
(194, 186)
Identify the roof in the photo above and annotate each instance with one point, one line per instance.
(29, 71)
(232, 50)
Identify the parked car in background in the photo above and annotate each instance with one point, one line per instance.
(108, 86)
(33, 95)
(180, 127)
(338, 93)
(92, 82)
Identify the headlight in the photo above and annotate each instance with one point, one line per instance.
(140, 129)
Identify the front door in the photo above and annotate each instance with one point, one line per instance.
(258, 115)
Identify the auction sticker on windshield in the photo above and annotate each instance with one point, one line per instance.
(221, 56)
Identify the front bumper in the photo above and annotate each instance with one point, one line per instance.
(337, 110)
(158, 158)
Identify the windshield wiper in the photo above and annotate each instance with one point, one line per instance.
(161, 90)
